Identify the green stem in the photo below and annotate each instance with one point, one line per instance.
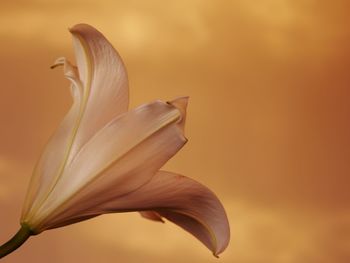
(16, 241)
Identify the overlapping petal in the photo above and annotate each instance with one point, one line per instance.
(100, 93)
(53, 157)
(135, 146)
(104, 159)
(181, 200)
(104, 79)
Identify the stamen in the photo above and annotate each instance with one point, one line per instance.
(59, 62)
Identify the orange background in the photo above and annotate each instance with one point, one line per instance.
(268, 121)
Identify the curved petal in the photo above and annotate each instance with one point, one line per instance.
(181, 200)
(104, 79)
(100, 92)
(186, 203)
(124, 155)
(51, 159)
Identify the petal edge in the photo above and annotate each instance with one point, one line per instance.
(183, 201)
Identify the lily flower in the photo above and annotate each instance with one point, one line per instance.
(104, 158)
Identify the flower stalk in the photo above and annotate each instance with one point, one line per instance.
(16, 241)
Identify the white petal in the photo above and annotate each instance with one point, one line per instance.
(183, 201)
(177, 198)
(104, 79)
(48, 166)
(100, 93)
(124, 155)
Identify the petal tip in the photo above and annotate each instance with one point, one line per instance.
(79, 27)
(181, 104)
(152, 215)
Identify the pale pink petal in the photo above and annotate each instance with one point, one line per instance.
(104, 79)
(185, 202)
(124, 155)
(48, 166)
(100, 92)
(181, 200)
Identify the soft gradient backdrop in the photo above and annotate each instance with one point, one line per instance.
(268, 121)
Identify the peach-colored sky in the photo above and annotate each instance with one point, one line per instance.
(268, 121)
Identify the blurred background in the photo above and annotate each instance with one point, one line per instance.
(268, 121)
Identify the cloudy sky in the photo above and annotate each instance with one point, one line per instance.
(268, 121)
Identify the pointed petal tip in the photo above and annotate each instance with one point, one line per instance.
(152, 215)
(181, 104)
(190, 205)
(79, 27)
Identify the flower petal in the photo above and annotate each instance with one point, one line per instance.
(183, 201)
(104, 79)
(100, 93)
(52, 157)
(124, 155)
